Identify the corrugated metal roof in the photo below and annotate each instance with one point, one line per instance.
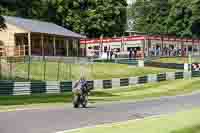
(41, 27)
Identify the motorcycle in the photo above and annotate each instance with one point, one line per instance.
(79, 97)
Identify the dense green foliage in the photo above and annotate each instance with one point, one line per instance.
(2, 23)
(95, 18)
(173, 17)
(5, 10)
(90, 17)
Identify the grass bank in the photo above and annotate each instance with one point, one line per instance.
(175, 123)
(167, 88)
(178, 60)
(192, 129)
(62, 71)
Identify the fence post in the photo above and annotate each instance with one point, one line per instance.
(24, 50)
(10, 64)
(70, 72)
(91, 66)
(58, 72)
(44, 60)
(19, 52)
(29, 67)
(0, 68)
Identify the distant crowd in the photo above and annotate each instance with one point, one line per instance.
(137, 53)
(132, 54)
(167, 51)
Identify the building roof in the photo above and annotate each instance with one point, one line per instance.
(41, 27)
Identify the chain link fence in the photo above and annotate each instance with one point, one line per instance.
(45, 68)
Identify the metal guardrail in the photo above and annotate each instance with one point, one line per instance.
(143, 80)
(28, 88)
(196, 74)
(161, 77)
(124, 82)
(179, 75)
(107, 84)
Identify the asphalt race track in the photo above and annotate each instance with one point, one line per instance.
(63, 118)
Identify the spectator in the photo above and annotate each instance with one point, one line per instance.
(108, 54)
(154, 51)
(130, 54)
(111, 54)
(135, 52)
(151, 51)
(116, 53)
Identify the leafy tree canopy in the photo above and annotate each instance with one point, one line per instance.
(172, 17)
(90, 17)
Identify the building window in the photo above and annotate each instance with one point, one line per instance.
(36, 43)
(18, 41)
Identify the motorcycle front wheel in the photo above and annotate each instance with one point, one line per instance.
(76, 101)
(84, 101)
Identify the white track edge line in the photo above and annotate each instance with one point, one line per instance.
(107, 124)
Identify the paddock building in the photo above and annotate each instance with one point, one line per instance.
(149, 45)
(37, 38)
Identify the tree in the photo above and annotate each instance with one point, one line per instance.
(195, 28)
(107, 18)
(140, 12)
(180, 18)
(151, 16)
(2, 23)
(7, 9)
(174, 17)
(31, 9)
(91, 17)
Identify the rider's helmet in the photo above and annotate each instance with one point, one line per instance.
(82, 78)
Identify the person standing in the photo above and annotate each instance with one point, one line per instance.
(130, 54)
(135, 52)
(111, 54)
(116, 52)
(108, 54)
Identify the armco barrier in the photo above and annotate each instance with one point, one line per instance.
(179, 75)
(164, 65)
(65, 86)
(107, 84)
(29, 88)
(124, 82)
(196, 74)
(38, 87)
(161, 77)
(142, 80)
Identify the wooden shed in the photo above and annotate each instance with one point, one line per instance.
(37, 38)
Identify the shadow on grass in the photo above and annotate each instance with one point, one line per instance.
(35, 99)
(102, 94)
(48, 98)
(194, 129)
(20, 79)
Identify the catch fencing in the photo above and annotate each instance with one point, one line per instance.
(35, 68)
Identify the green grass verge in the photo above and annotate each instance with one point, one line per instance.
(167, 88)
(165, 124)
(193, 129)
(72, 72)
(178, 60)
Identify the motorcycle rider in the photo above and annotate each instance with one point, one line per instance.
(84, 85)
(82, 97)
